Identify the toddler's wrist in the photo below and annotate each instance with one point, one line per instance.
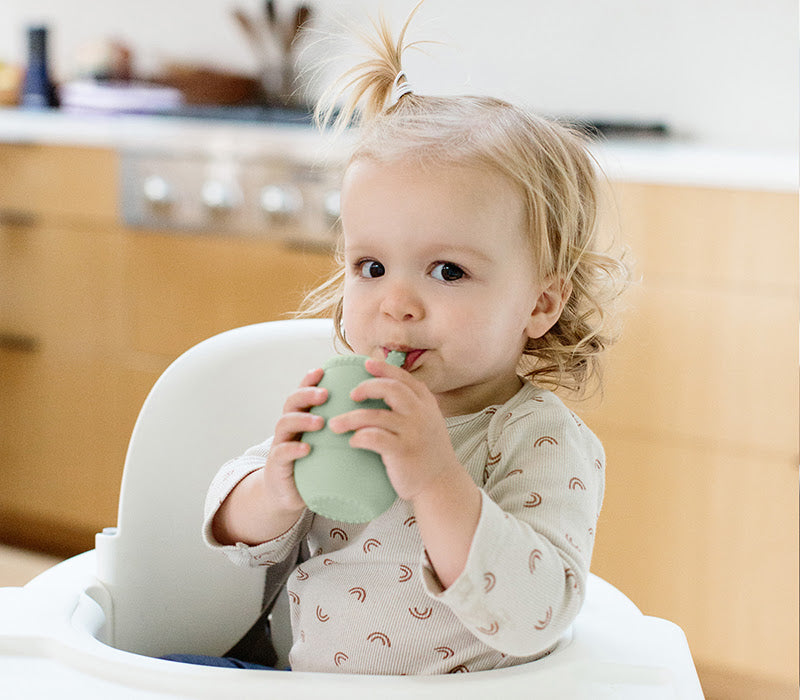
(273, 505)
(447, 483)
(251, 514)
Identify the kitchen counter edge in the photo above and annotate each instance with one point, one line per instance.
(657, 161)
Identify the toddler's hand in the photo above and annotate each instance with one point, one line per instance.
(411, 438)
(286, 446)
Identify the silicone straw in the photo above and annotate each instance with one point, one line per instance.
(396, 358)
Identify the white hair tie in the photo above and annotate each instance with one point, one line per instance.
(400, 87)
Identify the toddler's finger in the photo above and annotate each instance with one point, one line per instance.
(398, 395)
(313, 377)
(285, 453)
(304, 398)
(362, 418)
(373, 438)
(291, 425)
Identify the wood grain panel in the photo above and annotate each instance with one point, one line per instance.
(700, 423)
(706, 537)
(58, 183)
(183, 289)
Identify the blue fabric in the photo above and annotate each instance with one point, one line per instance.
(219, 661)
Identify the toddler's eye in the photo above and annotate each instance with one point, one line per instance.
(371, 268)
(447, 272)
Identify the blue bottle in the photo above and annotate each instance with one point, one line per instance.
(38, 91)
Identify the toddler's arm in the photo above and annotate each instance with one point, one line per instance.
(525, 577)
(253, 499)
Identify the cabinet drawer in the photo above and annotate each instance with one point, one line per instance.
(706, 365)
(711, 238)
(62, 446)
(56, 182)
(183, 289)
(53, 287)
(706, 536)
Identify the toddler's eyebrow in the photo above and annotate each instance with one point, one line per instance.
(446, 252)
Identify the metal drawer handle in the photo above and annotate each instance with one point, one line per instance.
(17, 217)
(18, 342)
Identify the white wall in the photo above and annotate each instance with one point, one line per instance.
(721, 71)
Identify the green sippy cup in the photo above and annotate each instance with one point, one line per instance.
(335, 480)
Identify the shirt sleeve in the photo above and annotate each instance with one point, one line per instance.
(264, 554)
(525, 577)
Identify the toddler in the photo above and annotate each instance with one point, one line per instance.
(469, 243)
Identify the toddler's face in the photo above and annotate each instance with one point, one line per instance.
(437, 265)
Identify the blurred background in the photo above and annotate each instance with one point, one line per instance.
(717, 71)
(160, 182)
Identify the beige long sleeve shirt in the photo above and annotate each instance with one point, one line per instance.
(368, 599)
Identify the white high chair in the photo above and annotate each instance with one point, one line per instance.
(91, 626)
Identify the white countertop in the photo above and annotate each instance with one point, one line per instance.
(634, 160)
(684, 163)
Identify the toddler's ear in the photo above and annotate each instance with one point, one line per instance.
(548, 308)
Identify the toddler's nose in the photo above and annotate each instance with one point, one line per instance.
(402, 303)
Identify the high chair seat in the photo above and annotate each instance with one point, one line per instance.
(94, 625)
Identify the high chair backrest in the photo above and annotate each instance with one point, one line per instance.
(162, 589)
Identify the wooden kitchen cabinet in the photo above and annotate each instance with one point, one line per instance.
(181, 289)
(59, 437)
(700, 425)
(91, 313)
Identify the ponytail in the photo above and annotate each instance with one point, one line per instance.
(373, 86)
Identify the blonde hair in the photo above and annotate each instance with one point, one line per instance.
(548, 163)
